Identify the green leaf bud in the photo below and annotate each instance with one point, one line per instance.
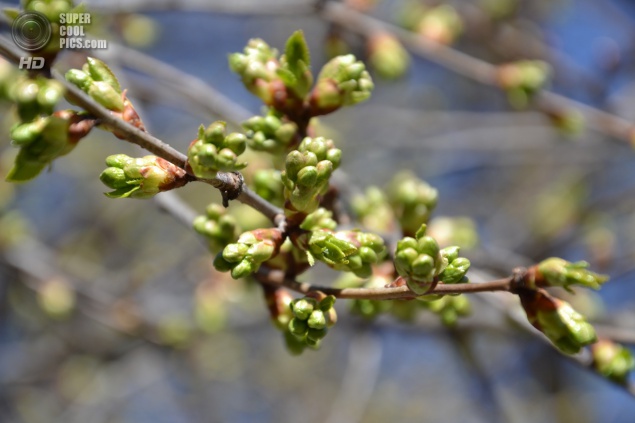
(99, 71)
(559, 272)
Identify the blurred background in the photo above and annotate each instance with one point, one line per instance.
(110, 310)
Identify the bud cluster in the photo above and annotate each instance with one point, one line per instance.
(311, 319)
(215, 152)
(270, 133)
(441, 24)
(421, 262)
(348, 251)
(343, 81)
(35, 97)
(448, 307)
(140, 177)
(245, 256)
(44, 139)
(307, 172)
(412, 201)
(284, 83)
(217, 226)
(267, 183)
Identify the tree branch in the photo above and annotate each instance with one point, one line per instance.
(473, 68)
(226, 181)
(278, 278)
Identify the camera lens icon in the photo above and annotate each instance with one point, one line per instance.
(31, 31)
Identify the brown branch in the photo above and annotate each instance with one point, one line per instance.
(278, 278)
(226, 182)
(472, 68)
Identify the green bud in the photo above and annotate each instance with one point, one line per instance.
(234, 253)
(302, 308)
(106, 95)
(327, 303)
(79, 78)
(412, 201)
(114, 178)
(26, 133)
(243, 269)
(221, 264)
(612, 360)
(317, 320)
(99, 71)
(315, 335)
(298, 327)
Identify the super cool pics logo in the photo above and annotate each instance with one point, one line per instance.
(33, 32)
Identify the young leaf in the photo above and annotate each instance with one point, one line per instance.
(297, 50)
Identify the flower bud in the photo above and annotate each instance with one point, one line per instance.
(612, 360)
(250, 250)
(559, 272)
(418, 261)
(566, 328)
(387, 56)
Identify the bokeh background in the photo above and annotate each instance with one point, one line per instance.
(110, 310)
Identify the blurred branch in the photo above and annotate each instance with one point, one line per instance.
(472, 68)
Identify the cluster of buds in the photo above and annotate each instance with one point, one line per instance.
(307, 172)
(140, 177)
(279, 83)
(448, 307)
(387, 55)
(100, 83)
(373, 210)
(270, 133)
(523, 79)
(566, 328)
(267, 183)
(343, 81)
(348, 251)
(441, 24)
(421, 262)
(45, 139)
(319, 219)
(52, 10)
(312, 318)
(559, 272)
(245, 256)
(412, 201)
(612, 360)
(284, 83)
(217, 226)
(36, 97)
(215, 152)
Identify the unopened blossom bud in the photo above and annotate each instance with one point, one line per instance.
(449, 308)
(612, 360)
(343, 81)
(455, 267)
(141, 177)
(373, 210)
(252, 248)
(441, 24)
(523, 79)
(387, 56)
(567, 329)
(559, 272)
(319, 219)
